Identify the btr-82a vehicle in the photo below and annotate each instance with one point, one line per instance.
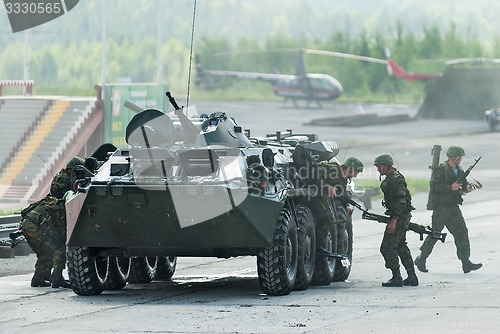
(201, 187)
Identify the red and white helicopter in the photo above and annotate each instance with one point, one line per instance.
(314, 87)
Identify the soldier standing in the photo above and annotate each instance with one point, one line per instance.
(397, 201)
(447, 196)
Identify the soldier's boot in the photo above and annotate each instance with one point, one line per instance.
(420, 263)
(412, 279)
(47, 275)
(58, 280)
(38, 280)
(396, 279)
(468, 266)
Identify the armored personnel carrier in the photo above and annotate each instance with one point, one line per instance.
(200, 187)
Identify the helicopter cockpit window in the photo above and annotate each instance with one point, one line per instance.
(317, 84)
(329, 84)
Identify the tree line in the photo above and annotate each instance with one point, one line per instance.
(74, 68)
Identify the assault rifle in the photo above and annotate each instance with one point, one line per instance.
(417, 228)
(13, 236)
(463, 179)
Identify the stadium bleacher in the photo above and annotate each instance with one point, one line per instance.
(40, 135)
(17, 119)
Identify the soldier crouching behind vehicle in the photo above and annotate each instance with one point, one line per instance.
(62, 181)
(334, 179)
(339, 176)
(44, 226)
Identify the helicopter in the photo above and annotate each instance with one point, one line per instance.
(311, 87)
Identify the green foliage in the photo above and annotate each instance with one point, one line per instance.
(70, 63)
(9, 212)
(414, 184)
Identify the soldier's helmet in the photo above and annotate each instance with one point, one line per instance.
(383, 159)
(75, 161)
(353, 163)
(455, 151)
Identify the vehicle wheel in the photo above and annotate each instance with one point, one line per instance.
(118, 273)
(307, 247)
(277, 264)
(142, 269)
(324, 268)
(166, 267)
(344, 246)
(86, 270)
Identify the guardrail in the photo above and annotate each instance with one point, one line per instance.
(9, 224)
(10, 219)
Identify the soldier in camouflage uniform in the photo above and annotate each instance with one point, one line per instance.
(336, 178)
(397, 201)
(446, 198)
(61, 182)
(333, 180)
(44, 227)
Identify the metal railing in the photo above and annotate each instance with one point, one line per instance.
(8, 224)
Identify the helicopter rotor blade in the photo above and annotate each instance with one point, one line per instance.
(472, 60)
(225, 53)
(345, 55)
(454, 61)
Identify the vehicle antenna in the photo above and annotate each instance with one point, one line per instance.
(191, 53)
(395, 160)
(347, 150)
(46, 164)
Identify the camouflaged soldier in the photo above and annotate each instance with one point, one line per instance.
(338, 175)
(447, 196)
(44, 227)
(61, 182)
(350, 168)
(397, 201)
(335, 178)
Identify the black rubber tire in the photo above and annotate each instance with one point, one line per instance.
(344, 246)
(142, 270)
(324, 268)
(166, 267)
(307, 247)
(86, 270)
(118, 273)
(277, 264)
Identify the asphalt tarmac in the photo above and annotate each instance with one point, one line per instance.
(210, 295)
